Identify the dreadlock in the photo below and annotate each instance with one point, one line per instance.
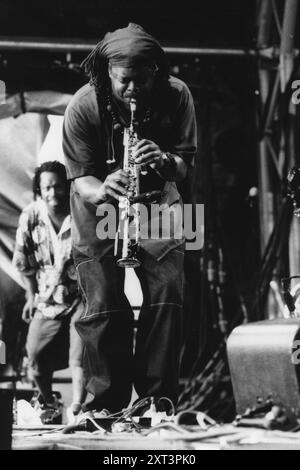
(53, 167)
(96, 67)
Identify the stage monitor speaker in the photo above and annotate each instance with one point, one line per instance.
(264, 362)
(6, 418)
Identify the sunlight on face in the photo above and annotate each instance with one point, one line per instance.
(132, 82)
(53, 189)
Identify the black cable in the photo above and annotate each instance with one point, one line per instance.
(272, 254)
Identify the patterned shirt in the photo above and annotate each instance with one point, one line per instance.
(42, 252)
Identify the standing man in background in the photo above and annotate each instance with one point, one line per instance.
(43, 256)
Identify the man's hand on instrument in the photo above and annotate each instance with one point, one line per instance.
(114, 186)
(148, 153)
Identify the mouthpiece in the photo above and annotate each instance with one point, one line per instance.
(133, 105)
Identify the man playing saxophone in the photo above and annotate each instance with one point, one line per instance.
(128, 65)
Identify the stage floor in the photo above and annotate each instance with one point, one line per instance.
(162, 438)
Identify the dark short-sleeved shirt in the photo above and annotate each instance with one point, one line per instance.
(89, 140)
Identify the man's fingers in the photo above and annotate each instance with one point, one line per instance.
(114, 194)
(25, 316)
(154, 162)
(117, 188)
(120, 175)
(141, 144)
(121, 179)
(145, 158)
(28, 311)
(144, 149)
(149, 157)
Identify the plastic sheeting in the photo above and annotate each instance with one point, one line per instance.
(24, 127)
(44, 102)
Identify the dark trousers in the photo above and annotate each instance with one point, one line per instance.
(106, 328)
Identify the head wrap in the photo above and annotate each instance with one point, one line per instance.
(125, 47)
(128, 46)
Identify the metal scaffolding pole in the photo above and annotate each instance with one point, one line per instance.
(266, 203)
(18, 44)
(270, 156)
(287, 52)
(287, 56)
(269, 101)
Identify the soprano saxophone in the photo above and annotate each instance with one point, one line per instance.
(129, 223)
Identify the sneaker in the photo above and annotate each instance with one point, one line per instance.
(49, 413)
